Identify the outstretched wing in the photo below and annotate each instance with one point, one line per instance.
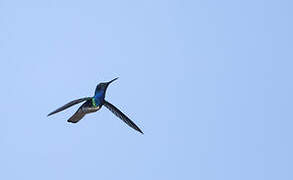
(122, 116)
(69, 105)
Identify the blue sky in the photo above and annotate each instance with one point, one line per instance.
(209, 82)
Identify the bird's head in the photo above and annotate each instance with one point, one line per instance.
(102, 87)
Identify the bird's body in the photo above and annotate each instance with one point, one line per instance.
(93, 104)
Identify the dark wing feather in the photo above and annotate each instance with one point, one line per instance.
(69, 105)
(122, 116)
(78, 115)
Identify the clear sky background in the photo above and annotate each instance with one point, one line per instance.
(208, 81)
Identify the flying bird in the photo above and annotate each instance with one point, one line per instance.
(93, 104)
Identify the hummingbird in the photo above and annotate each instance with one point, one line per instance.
(93, 104)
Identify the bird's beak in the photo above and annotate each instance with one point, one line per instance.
(111, 81)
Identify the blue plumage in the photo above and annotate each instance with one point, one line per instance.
(100, 92)
(99, 97)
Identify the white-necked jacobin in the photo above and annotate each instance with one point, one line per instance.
(93, 104)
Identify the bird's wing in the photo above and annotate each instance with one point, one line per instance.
(78, 115)
(122, 116)
(69, 105)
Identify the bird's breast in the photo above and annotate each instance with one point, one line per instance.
(91, 109)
